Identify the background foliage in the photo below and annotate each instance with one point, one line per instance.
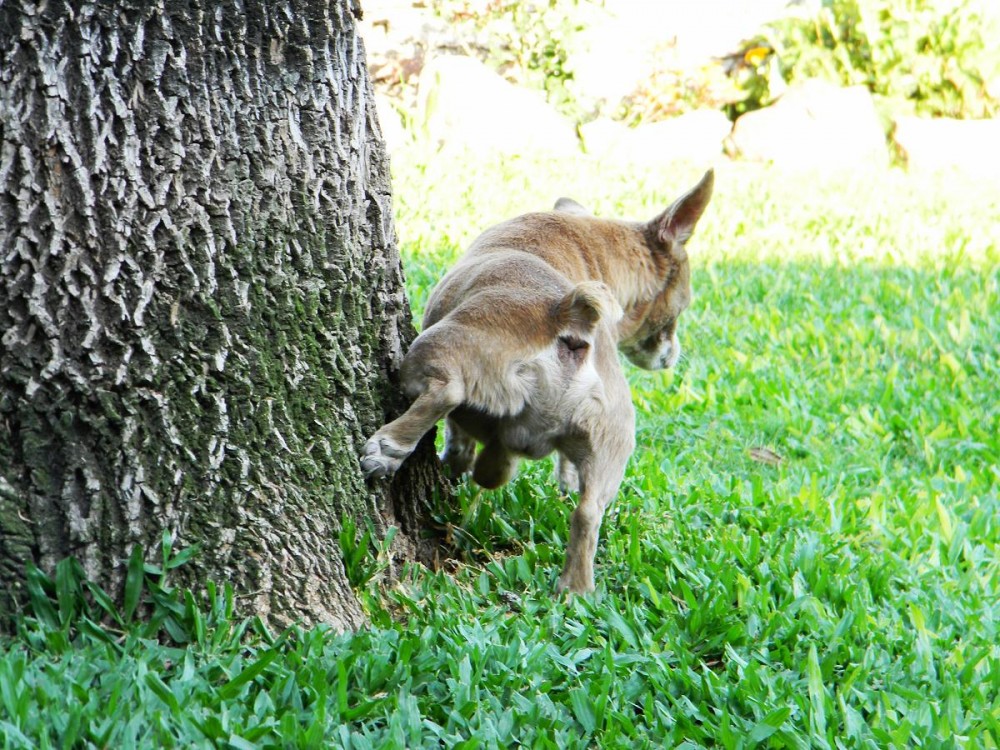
(930, 57)
(529, 43)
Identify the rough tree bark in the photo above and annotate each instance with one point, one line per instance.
(201, 301)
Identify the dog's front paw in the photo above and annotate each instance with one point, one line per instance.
(381, 457)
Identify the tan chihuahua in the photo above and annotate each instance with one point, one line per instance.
(518, 353)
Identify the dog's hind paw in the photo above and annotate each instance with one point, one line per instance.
(571, 587)
(381, 457)
(568, 584)
(577, 577)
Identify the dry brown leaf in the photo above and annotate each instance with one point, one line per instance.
(766, 456)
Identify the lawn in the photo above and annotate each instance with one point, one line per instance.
(805, 552)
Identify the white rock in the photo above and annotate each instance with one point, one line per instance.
(602, 135)
(391, 123)
(616, 53)
(971, 146)
(815, 125)
(695, 137)
(464, 103)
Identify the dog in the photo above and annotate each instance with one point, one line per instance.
(519, 353)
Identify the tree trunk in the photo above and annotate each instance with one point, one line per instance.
(201, 300)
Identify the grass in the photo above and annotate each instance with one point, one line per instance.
(847, 596)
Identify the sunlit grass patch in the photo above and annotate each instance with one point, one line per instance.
(810, 516)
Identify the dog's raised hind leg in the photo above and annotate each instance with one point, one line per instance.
(387, 448)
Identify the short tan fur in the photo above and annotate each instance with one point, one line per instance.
(519, 353)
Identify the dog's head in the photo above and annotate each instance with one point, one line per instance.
(650, 329)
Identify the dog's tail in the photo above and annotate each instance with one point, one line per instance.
(578, 313)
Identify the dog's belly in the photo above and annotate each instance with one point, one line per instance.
(524, 434)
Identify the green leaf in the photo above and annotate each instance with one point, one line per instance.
(240, 743)
(182, 557)
(37, 583)
(233, 687)
(11, 733)
(163, 692)
(768, 725)
(944, 518)
(364, 710)
(341, 686)
(817, 694)
(134, 579)
(583, 709)
(178, 633)
(621, 627)
(193, 614)
(104, 602)
(91, 629)
(386, 543)
(166, 547)
(67, 579)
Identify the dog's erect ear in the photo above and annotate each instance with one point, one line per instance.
(676, 224)
(570, 206)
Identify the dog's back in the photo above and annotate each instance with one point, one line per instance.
(513, 329)
(549, 253)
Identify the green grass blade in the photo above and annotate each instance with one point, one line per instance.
(134, 580)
